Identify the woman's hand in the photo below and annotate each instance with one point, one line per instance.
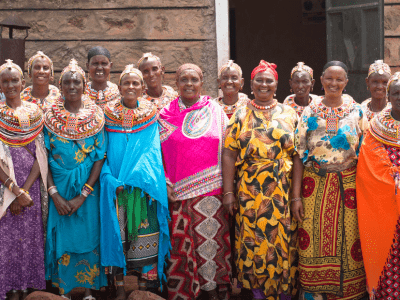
(230, 203)
(171, 194)
(298, 210)
(119, 190)
(75, 203)
(15, 207)
(24, 199)
(61, 204)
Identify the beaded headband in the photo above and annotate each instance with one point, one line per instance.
(393, 78)
(379, 67)
(230, 64)
(147, 56)
(9, 65)
(130, 69)
(42, 55)
(302, 67)
(73, 68)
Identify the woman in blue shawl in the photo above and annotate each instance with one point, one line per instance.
(76, 144)
(134, 206)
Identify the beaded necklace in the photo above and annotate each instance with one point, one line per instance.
(264, 107)
(230, 109)
(366, 105)
(385, 128)
(20, 126)
(44, 103)
(74, 126)
(101, 97)
(167, 96)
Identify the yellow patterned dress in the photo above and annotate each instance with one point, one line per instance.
(265, 237)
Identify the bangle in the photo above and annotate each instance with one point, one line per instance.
(19, 194)
(53, 186)
(11, 185)
(25, 191)
(5, 182)
(52, 190)
(86, 191)
(227, 193)
(296, 199)
(89, 187)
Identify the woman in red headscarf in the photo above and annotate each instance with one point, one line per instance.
(259, 153)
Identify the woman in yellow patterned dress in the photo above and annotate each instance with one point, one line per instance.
(259, 153)
(153, 75)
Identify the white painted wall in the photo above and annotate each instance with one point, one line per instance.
(222, 27)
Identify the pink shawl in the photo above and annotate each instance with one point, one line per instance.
(192, 142)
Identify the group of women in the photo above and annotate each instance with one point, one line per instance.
(100, 179)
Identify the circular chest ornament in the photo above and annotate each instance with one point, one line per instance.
(197, 123)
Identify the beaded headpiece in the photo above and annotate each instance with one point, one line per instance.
(73, 68)
(379, 67)
(42, 55)
(302, 67)
(147, 56)
(393, 78)
(264, 66)
(230, 64)
(9, 65)
(193, 67)
(130, 69)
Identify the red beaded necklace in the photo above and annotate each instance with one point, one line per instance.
(264, 107)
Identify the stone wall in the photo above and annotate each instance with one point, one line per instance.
(179, 31)
(392, 34)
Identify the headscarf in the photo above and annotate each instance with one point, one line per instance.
(185, 67)
(335, 63)
(9, 65)
(98, 50)
(393, 78)
(73, 68)
(147, 56)
(379, 67)
(264, 66)
(130, 69)
(230, 64)
(41, 55)
(302, 67)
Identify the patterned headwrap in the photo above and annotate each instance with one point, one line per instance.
(42, 55)
(230, 64)
(379, 67)
(264, 67)
(130, 69)
(302, 67)
(73, 68)
(9, 65)
(147, 56)
(185, 67)
(393, 78)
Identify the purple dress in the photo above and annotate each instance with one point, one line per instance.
(21, 237)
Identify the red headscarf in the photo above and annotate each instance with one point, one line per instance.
(263, 67)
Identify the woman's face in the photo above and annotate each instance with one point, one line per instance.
(230, 82)
(334, 80)
(264, 86)
(11, 83)
(189, 84)
(377, 84)
(394, 97)
(41, 71)
(99, 68)
(72, 86)
(131, 87)
(152, 72)
(301, 83)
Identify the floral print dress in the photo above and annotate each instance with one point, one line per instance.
(265, 234)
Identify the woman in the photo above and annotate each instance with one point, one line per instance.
(41, 92)
(192, 136)
(259, 151)
(377, 80)
(76, 145)
(328, 139)
(301, 84)
(99, 65)
(378, 197)
(22, 206)
(153, 74)
(230, 82)
(133, 173)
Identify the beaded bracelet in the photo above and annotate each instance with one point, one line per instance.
(296, 199)
(86, 191)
